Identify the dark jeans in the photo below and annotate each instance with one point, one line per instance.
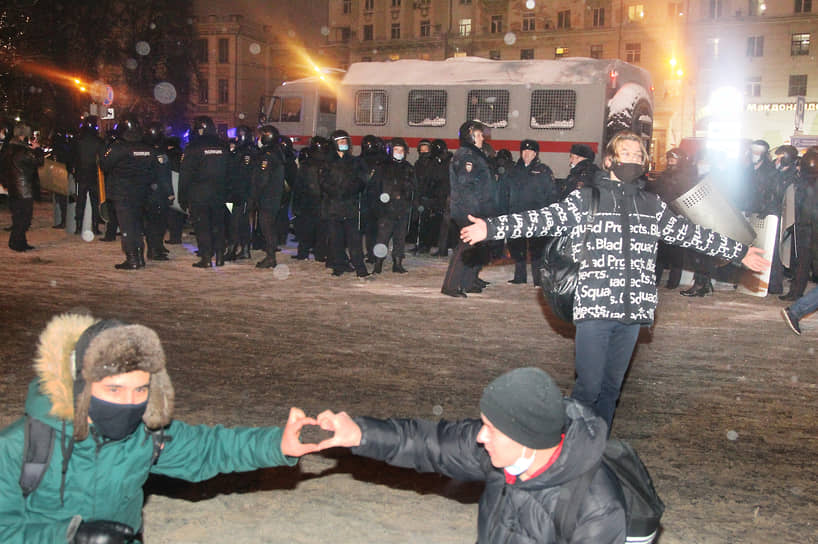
(208, 222)
(806, 304)
(603, 353)
(21, 212)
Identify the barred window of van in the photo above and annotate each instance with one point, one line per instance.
(426, 108)
(553, 108)
(371, 107)
(489, 106)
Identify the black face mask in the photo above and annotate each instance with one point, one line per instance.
(115, 421)
(627, 172)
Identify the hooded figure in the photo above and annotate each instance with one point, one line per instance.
(102, 451)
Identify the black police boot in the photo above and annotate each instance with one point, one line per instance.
(232, 253)
(268, 262)
(378, 266)
(156, 255)
(243, 253)
(203, 262)
(519, 273)
(220, 258)
(131, 262)
(397, 266)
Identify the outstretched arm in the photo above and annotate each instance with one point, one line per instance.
(474, 233)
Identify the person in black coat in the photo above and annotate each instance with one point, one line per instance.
(87, 152)
(473, 189)
(343, 183)
(267, 190)
(396, 183)
(528, 445)
(20, 160)
(530, 186)
(130, 166)
(373, 153)
(309, 229)
(239, 173)
(160, 195)
(583, 170)
(805, 181)
(202, 189)
(441, 189)
(428, 217)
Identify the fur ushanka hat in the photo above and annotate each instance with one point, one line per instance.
(101, 349)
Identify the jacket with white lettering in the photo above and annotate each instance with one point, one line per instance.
(203, 175)
(616, 280)
(130, 168)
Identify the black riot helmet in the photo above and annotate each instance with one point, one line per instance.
(371, 145)
(304, 154)
(788, 154)
(89, 123)
(338, 135)
(424, 142)
(128, 128)
(397, 142)
(439, 147)
(320, 147)
(504, 155)
(467, 130)
(203, 126)
(287, 146)
(268, 136)
(244, 135)
(154, 133)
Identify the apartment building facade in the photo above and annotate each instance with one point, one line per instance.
(692, 48)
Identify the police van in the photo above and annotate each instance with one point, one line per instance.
(555, 102)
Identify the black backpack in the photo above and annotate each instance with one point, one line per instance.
(559, 274)
(643, 507)
(39, 444)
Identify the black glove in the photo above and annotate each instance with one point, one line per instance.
(103, 532)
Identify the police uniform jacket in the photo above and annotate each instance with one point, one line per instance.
(307, 190)
(268, 179)
(203, 175)
(473, 188)
(88, 150)
(130, 168)
(343, 183)
(239, 172)
(396, 185)
(530, 187)
(511, 511)
(161, 187)
(19, 166)
(616, 279)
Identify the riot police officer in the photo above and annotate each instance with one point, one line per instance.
(396, 183)
(202, 187)
(239, 174)
(160, 195)
(267, 188)
(88, 150)
(440, 194)
(312, 162)
(130, 167)
(344, 180)
(372, 155)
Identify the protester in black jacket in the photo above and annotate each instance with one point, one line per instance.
(202, 189)
(530, 444)
(396, 183)
(473, 189)
(267, 188)
(616, 283)
(530, 186)
(20, 161)
(130, 166)
(344, 180)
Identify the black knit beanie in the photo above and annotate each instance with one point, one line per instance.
(526, 405)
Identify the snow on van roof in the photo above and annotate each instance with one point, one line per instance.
(465, 70)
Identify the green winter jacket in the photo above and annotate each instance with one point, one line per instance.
(104, 481)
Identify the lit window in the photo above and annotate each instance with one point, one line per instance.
(799, 45)
(636, 13)
(465, 27)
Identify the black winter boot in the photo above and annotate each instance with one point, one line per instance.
(131, 262)
(232, 253)
(219, 258)
(397, 266)
(519, 273)
(267, 262)
(378, 266)
(699, 290)
(203, 262)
